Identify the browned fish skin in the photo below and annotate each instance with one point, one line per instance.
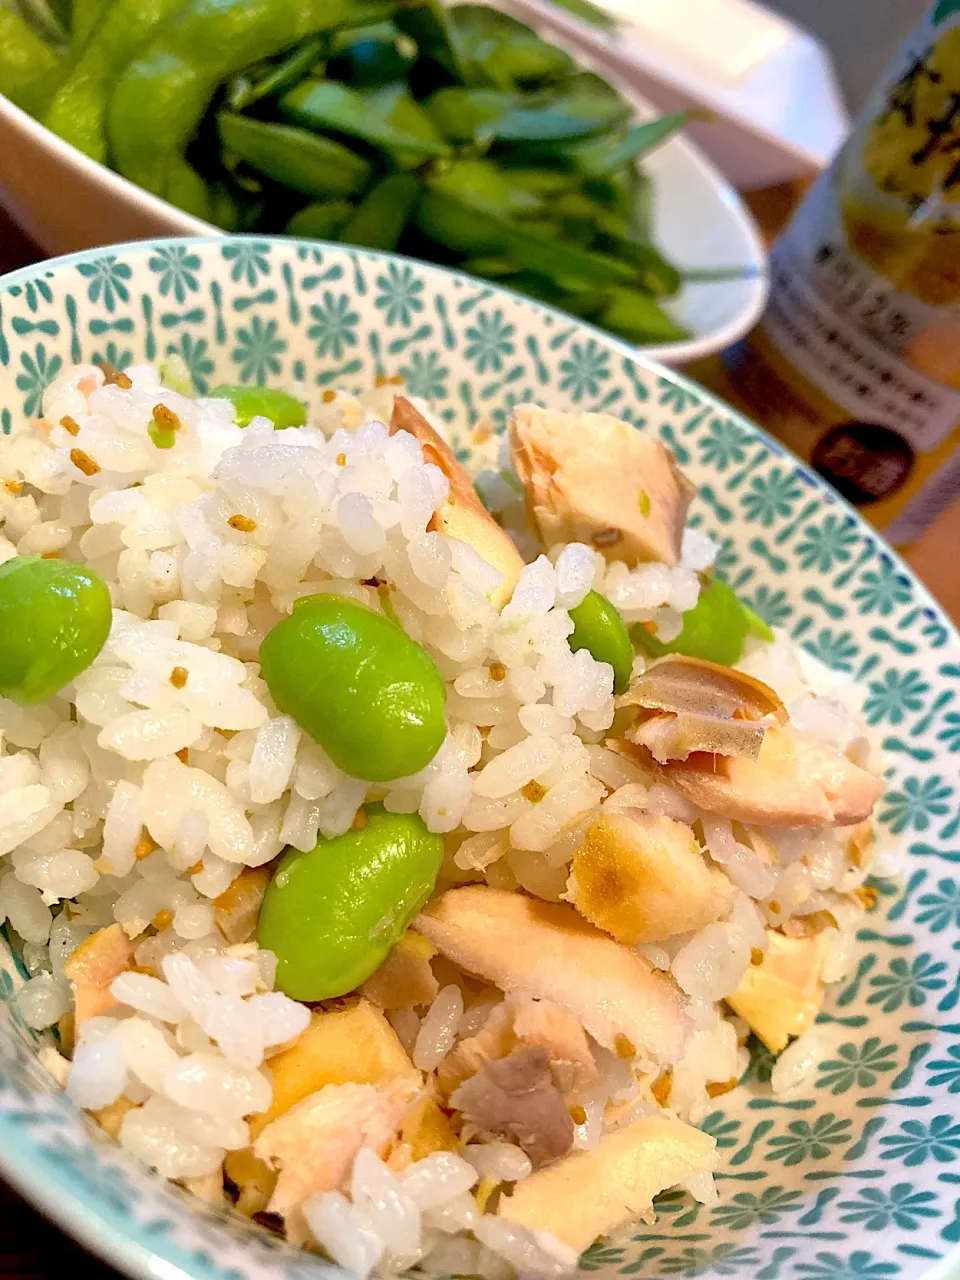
(591, 478)
(464, 516)
(795, 781)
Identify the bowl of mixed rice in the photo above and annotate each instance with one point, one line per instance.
(470, 803)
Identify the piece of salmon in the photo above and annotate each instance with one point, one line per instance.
(405, 980)
(591, 1193)
(523, 1020)
(546, 949)
(795, 781)
(590, 478)
(314, 1144)
(92, 966)
(464, 516)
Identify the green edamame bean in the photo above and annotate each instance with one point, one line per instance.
(29, 69)
(714, 629)
(282, 409)
(78, 111)
(54, 619)
(160, 98)
(331, 915)
(371, 696)
(599, 627)
(294, 157)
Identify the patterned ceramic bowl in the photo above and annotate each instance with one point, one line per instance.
(855, 1178)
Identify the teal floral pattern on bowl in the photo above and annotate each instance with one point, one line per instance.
(857, 1176)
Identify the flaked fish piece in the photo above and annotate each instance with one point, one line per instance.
(464, 516)
(546, 949)
(795, 781)
(340, 1046)
(92, 966)
(516, 1098)
(314, 1144)
(590, 478)
(781, 996)
(523, 1020)
(591, 1193)
(237, 908)
(405, 980)
(642, 878)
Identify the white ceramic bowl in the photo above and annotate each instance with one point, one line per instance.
(66, 202)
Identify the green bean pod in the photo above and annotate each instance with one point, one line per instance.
(29, 69)
(160, 98)
(294, 157)
(78, 111)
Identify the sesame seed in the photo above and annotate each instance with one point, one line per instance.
(396, 381)
(661, 1087)
(242, 524)
(756, 955)
(50, 555)
(162, 920)
(178, 677)
(70, 425)
(498, 671)
(381, 380)
(328, 397)
(183, 755)
(341, 459)
(144, 846)
(14, 487)
(577, 1114)
(715, 1088)
(359, 820)
(624, 1047)
(533, 791)
(165, 417)
(195, 869)
(83, 462)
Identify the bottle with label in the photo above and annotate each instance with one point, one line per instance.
(856, 362)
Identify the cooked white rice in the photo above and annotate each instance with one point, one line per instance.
(126, 798)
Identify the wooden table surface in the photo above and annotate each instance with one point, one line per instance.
(29, 1246)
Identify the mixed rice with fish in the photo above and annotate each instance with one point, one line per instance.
(630, 884)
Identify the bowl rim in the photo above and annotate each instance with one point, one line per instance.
(86, 1225)
(641, 355)
(756, 269)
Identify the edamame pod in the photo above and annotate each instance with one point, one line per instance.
(383, 213)
(160, 98)
(321, 221)
(295, 157)
(332, 914)
(29, 69)
(636, 317)
(388, 119)
(78, 112)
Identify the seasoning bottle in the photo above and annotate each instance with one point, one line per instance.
(856, 362)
